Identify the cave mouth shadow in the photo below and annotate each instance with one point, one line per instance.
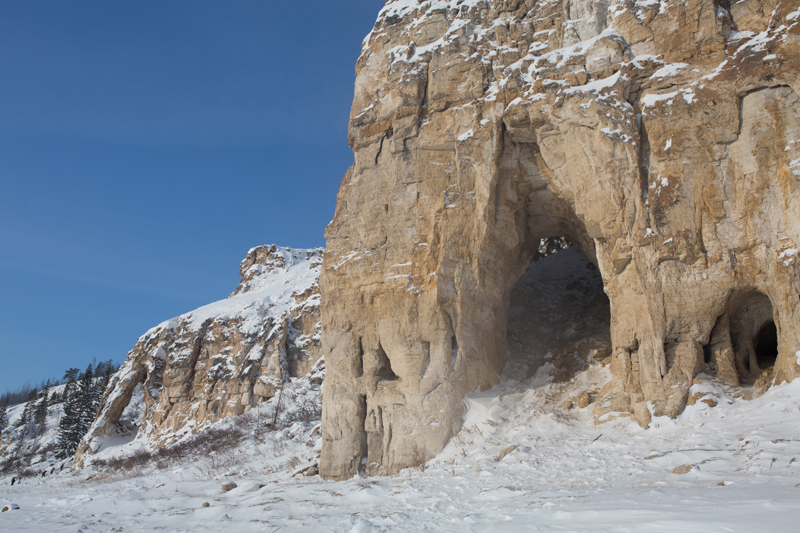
(766, 345)
(559, 316)
(743, 346)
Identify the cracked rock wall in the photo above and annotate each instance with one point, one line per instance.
(661, 137)
(222, 359)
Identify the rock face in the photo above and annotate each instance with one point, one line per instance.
(222, 359)
(661, 138)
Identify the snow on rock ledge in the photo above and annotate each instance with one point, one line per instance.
(221, 359)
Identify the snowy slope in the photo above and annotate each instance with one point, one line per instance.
(566, 474)
(21, 451)
(265, 291)
(220, 360)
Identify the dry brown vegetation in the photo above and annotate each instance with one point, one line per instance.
(207, 443)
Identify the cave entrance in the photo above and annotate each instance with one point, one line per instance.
(766, 345)
(559, 315)
(754, 334)
(744, 341)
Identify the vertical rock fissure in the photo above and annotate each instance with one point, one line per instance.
(360, 360)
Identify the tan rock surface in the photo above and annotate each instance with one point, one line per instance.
(661, 138)
(222, 359)
(582, 400)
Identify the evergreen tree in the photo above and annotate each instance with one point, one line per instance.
(80, 409)
(3, 419)
(40, 413)
(66, 443)
(89, 399)
(102, 374)
(71, 377)
(25, 422)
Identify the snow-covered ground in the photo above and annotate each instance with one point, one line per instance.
(522, 462)
(566, 474)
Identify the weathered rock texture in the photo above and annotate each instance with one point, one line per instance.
(222, 359)
(660, 137)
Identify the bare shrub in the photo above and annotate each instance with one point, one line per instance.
(418, 460)
(212, 442)
(307, 412)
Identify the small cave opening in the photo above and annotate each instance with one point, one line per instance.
(744, 341)
(766, 345)
(559, 315)
(385, 370)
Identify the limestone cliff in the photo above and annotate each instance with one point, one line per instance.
(661, 138)
(222, 359)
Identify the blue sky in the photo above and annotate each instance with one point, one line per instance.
(145, 147)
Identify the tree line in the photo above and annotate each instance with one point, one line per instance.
(80, 396)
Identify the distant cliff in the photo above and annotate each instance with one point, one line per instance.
(221, 359)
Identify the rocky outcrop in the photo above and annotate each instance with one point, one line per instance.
(661, 138)
(222, 359)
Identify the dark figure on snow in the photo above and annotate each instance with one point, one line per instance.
(44, 472)
(52, 470)
(13, 480)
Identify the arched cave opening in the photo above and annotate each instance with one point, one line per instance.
(753, 332)
(559, 315)
(744, 341)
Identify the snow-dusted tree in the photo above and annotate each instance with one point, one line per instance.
(71, 377)
(3, 419)
(80, 409)
(25, 421)
(66, 443)
(102, 375)
(40, 413)
(105, 369)
(90, 398)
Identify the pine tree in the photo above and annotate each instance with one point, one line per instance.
(79, 413)
(25, 422)
(71, 377)
(40, 413)
(66, 444)
(90, 399)
(102, 373)
(3, 419)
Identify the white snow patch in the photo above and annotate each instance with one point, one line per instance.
(669, 70)
(595, 86)
(650, 100)
(787, 256)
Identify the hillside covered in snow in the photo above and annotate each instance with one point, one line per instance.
(217, 361)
